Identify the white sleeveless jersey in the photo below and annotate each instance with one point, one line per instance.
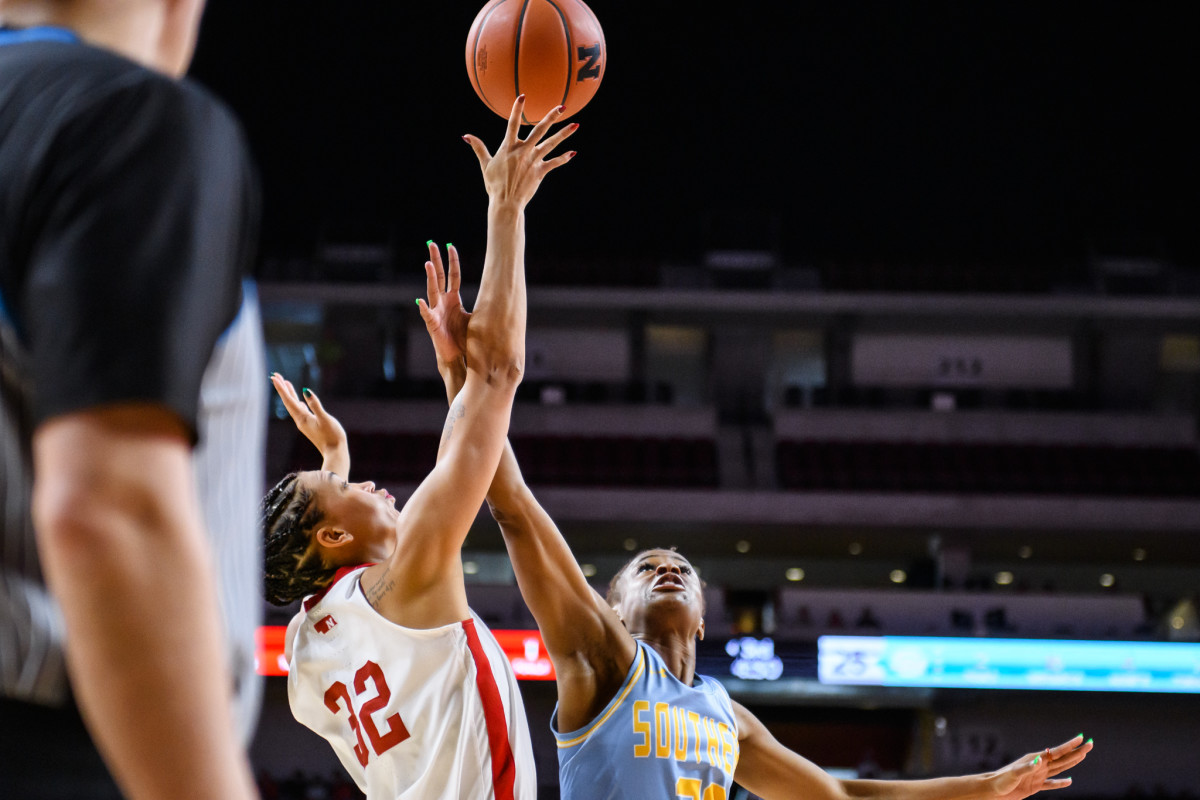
(420, 714)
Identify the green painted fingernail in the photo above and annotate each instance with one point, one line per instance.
(307, 391)
(428, 242)
(418, 302)
(449, 244)
(1079, 736)
(1089, 741)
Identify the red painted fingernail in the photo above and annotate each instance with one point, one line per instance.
(562, 109)
(520, 98)
(574, 126)
(571, 154)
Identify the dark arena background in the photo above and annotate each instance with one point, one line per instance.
(887, 314)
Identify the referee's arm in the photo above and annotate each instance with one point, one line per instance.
(123, 547)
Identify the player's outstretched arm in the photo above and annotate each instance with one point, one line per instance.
(122, 543)
(318, 426)
(495, 341)
(590, 647)
(421, 584)
(772, 771)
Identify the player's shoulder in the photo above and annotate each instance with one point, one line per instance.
(180, 108)
(711, 685)
(338, 612)
(342, 588)
(650, 656)
(96, 89)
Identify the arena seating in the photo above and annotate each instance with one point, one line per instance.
(621, 461)
(804, 614)
(623, 446)
(617, 461)
(1024, 276)
(889, 466)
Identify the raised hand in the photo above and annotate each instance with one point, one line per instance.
(1036, 772)
(317, 425)
(514, 173)
(445, 318)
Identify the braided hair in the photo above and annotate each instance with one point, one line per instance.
(288, 516)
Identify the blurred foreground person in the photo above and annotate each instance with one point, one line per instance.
(131, 410)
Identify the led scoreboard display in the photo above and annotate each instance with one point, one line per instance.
(902, 661)
(963, 663)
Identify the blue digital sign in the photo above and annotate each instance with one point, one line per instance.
(754, 659)
(962, 663)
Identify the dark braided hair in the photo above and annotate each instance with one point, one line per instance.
(288, 516)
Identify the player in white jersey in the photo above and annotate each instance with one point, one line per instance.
(387, 662)
(633, 718)
(433, 712)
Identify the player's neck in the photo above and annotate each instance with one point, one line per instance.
(677, 650)
(157, 35)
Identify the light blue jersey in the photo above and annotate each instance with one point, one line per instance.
(658, 738)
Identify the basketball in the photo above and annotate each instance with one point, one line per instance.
(552, 51)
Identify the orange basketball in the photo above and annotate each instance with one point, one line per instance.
(552, 51)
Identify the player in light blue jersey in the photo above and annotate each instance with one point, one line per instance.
(656, 732)
(634, 720)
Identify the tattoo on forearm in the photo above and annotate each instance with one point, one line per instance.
(381, 587)
(456, 413)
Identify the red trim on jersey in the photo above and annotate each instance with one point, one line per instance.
(504, 768)
(313, 599)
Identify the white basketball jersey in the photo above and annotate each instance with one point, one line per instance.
(411, 713)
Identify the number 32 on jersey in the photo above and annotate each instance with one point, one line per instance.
(394, 731)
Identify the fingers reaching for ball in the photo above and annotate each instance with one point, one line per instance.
(510, 134)
(543, 126)
(558, 138)
(514, 119)
(515, 171)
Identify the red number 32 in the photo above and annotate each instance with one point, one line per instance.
(395, 732)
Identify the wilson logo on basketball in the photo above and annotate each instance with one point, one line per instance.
(325, 623)
(481, 60)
